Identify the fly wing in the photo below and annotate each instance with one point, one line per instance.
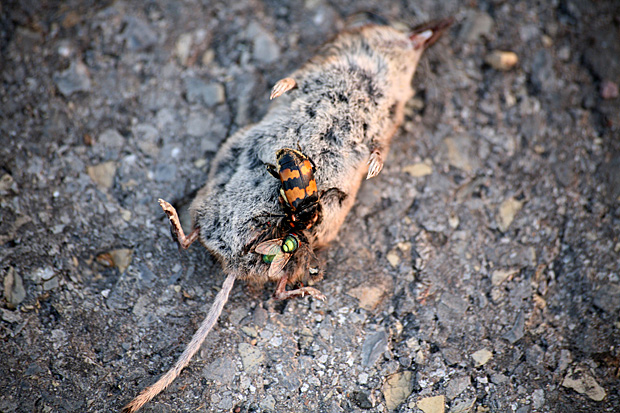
(278, 264)
(270, 247)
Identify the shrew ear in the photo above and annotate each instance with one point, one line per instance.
(333, 195)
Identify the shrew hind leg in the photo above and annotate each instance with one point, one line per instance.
(175, 226)
(282, 293)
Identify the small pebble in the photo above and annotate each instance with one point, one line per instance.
(501, 275)
(14, 291)
(476, 25)
(221, 370)
(369, 294)
(609, 89)
(251, 357)
(374, 345)
(265, 48)
(456, 386)
(517, 330)
(481, 357)
(500, 60)
(418, 170)
(138, 34)
(435, 404)
(103, 174)
(183, 48)
(507, 212)
(463, 406)
(75, 79)
(582, 382)
(393, 258)
(268, 403)
(397, 388)
(209, 94)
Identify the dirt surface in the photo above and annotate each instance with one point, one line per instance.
(478, 272)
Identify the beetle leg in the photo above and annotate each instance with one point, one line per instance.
(175, 226)
(273, 170)
(282, 294)
(375, 164)
(282, 86)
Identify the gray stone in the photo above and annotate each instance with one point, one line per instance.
(265, 48)
(517, 330)
(141, 307)
(481, 357)
(208, 94)
(461, 152)
(34, 370)
(582, 382)
(146, 137)
(183, 47)
(397, 388)
(7, 183)
(476, 25)
(499, 378)
(109, 144)
(605, 44)
(226, 403)
(138, 34)
(165, 172)
(251, 357)
(14, 291)
(361, 400)
(41, 274)
(463, 406)
(51, 284)
(452, 355)
(10, 316)
(75, 79)
(542, 74)
(456, 386)
(103, 174)
(607, 298)
(534, 355)
(451, 307)
(434, 404)
(260, 316)
(611, 173)
(268, 403)
(197, 124)
(373, 347)
(221, 370)
(116, 301)
(538, 399)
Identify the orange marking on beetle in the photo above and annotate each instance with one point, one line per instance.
(287, 174)
(311, 188)
(294, 194)
(306, 167)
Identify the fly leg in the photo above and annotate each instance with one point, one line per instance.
(175, 226)
(281, 292)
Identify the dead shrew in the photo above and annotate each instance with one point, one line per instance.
(341, 110)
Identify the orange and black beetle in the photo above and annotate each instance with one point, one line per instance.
(299, 194)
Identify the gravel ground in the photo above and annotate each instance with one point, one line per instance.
(479, 272)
